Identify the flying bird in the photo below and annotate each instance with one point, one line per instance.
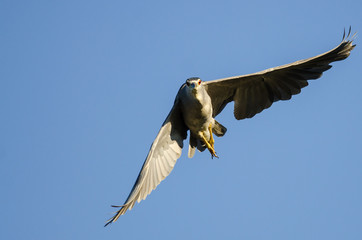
(197, 104)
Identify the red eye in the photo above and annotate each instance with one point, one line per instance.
(199, 82)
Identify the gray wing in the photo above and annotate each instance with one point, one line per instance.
(164, 152)
(255, 92)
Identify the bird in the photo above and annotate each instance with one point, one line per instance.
(198, 102)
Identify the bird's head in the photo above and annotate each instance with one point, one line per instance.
(193, 83)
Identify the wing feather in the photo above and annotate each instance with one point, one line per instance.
(255, 92)
(161, 167)
(163, 154)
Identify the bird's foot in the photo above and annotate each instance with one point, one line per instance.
(210, 147)
(211, 141)
(213, 153)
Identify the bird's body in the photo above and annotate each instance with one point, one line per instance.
(197, 104)
(196, 109)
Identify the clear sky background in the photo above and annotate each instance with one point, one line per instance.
(85, 86)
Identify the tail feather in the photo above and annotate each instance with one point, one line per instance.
(218, 129)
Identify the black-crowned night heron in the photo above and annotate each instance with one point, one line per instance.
(198, 103)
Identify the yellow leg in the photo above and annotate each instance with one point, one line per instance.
(209, 147)
(212, 141)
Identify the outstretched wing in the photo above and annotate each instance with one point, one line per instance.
(164, 152)
(255, 92)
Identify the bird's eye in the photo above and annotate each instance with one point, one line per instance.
(199, 82)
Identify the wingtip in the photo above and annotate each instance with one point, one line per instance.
(116, 216)
(344, 34)
(117, 206)
(113, 219)
(107, 223)
(348, 37)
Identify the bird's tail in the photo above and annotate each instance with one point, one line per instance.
(218, 129)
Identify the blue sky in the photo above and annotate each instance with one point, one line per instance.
(85, 86)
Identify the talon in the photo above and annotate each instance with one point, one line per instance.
(210, 144)
(213, 154)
